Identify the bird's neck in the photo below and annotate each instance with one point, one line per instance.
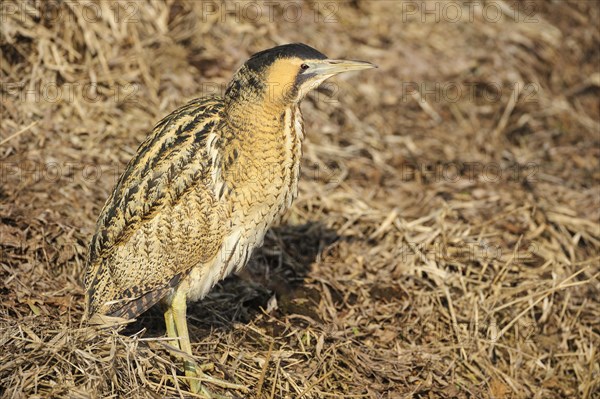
(261, 144)
(253, 106)
(256, 117)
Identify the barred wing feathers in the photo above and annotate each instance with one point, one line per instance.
(173, 162)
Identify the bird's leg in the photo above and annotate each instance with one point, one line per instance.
(178, 309)
(171, 330)
(192, 371)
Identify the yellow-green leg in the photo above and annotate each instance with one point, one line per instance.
(171, 330)
(177, 312)
(175, 319)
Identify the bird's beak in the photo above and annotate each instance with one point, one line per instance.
(333, 67)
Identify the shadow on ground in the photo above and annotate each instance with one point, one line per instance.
(278, 268)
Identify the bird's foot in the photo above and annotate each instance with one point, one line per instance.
(195, 376)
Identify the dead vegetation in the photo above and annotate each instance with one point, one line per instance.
(446, 240)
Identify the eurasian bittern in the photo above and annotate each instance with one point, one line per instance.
(202, 190)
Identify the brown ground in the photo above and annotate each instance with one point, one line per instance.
(445, 243)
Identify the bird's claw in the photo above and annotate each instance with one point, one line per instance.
(195, 375)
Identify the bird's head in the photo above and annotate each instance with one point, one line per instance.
(285, 74)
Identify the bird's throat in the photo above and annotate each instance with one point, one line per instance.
(261, 153)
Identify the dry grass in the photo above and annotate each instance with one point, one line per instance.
(442, 246)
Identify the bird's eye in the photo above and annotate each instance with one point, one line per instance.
(304, 66)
